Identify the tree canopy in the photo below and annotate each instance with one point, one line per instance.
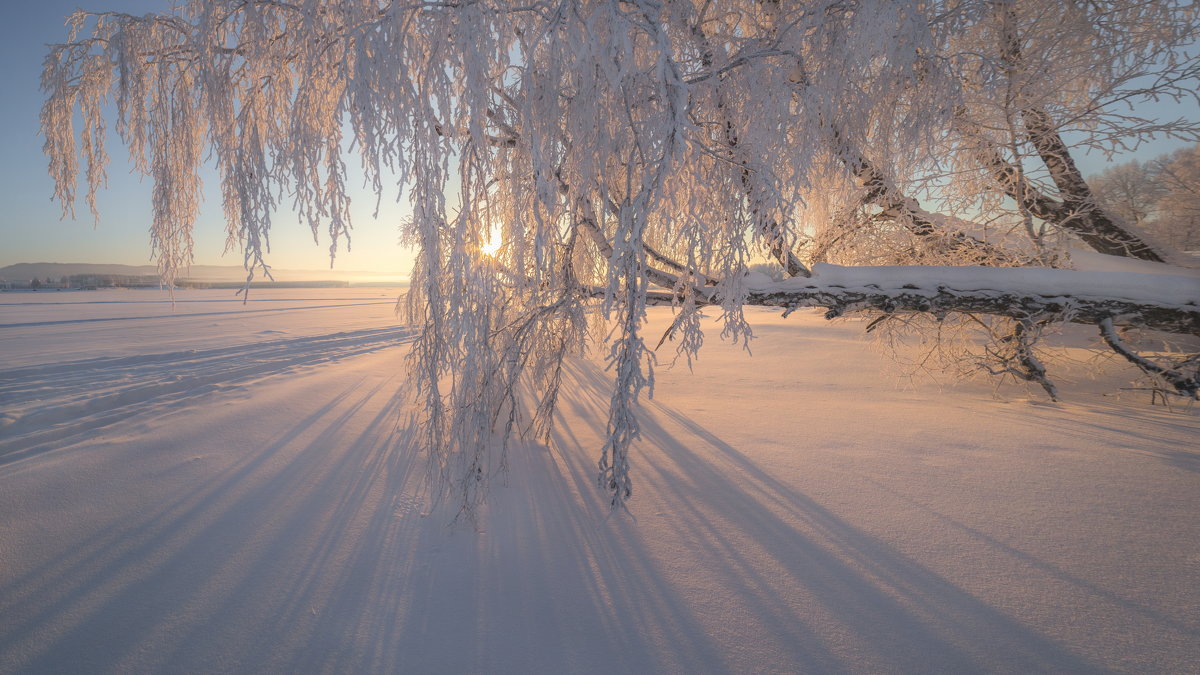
(627, 152)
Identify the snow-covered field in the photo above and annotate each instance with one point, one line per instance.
(224, 488)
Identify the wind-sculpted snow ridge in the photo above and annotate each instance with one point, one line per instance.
(45, 405)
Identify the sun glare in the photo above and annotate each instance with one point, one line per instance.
(490, 248)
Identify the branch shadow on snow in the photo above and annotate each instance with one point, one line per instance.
(220, 572)
(810, 577)
(316, 552)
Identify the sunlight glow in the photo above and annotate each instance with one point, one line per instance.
(490, 248)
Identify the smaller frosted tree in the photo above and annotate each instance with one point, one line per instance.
(1160, 197)
(1131, 190)
(1179, 207)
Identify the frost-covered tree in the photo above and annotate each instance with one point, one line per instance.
(1178, 219)
(1132, 190)
(1161, 196)
(628, 152)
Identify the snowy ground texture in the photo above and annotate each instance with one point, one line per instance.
(228, 488)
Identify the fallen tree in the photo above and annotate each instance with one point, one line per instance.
(1157, 302)
(1170, 304)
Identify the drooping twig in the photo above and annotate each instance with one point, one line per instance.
(1184, 384)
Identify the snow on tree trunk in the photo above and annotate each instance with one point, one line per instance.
(1159, 302)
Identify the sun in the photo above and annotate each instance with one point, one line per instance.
(491, 248)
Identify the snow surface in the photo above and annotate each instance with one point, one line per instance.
(228, 488)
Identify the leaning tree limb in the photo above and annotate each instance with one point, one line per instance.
(1087, 220)
(880, 191)
(905, 210)
(1079, 212)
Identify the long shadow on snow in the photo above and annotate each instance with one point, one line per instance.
(1135, 427)
(764, 541)
(313, 554)
(218, 575)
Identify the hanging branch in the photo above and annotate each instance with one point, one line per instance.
(770, 228)
(1184, 384)
(1014, 352)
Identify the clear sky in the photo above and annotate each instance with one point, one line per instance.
(30, 225)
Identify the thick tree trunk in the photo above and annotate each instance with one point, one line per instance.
(908, 212)
(1079, 212)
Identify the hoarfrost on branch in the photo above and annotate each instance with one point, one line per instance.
(626, 152)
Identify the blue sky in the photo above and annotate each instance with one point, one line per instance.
(30, 226)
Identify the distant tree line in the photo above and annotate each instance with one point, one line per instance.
(113, 281)
(35, 283)
(84, 281)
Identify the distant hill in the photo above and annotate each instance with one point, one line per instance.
(215, 273)
(26, 271)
